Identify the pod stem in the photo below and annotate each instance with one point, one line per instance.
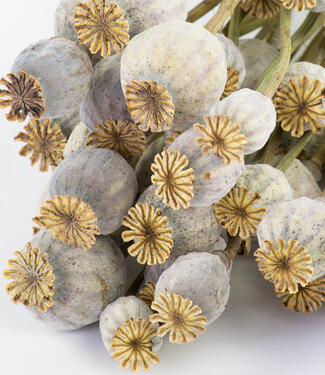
(228, 254)
(287, 160)
(315, 52)
(201, 9)
(134, 287)
(272, 146)
(274, 74)
(267, 31)
(233, 32)
(225, 11)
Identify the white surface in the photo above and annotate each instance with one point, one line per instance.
(255, 334)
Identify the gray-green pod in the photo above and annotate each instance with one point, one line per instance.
(100, 178)
(185, 58)
(105, 100)
(63, 69)
(85, 281)
(201, 277)
(212, 178)
(77, 140)
(302, 220)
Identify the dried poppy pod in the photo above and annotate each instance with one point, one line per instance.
(212, 178)
(301, 220)
(319, 7)
(102, 179)
(194, 74)
(64, 71)
(262, 8)
(68, 122)
(299, 5)
(302, 181)
(112, 321)
(85, 282)
(254, 112)
(105, 100)
(270, 183)
(256, 63)
(77, 140)
(201, 277)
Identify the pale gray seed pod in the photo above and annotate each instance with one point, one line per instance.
(63, 69)
(185, 58)
(102, 179)
(77, 140)
(85, 281)
(69, 122)
(302, 220)
(64, 19)
(302, 181)
(319, 7)
(258, 55)
(270, 183)
(254, 112)
(201, 277)
(117, 312)
(212, 178)
(314, 168)
(303, 68)
(105, 100)
(234, 57)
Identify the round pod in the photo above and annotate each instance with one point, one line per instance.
(201, 277)
(186, 59)
(77, 139)
(270, 183)
(304, 68)
(212, 178)
(105, 100)
(319, 7)
(85, 281)
(258, 55)
(102, 179)
(254, 112)
(63, 69)
(302, 220)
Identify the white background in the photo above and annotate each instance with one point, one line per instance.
(255, 334)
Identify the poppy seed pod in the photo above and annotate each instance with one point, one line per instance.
(63, 69)
(68, 122)
(85, 282)
(185, 59)
(304, 68)
(105, 99)
(319, 7)
(301, 220)
(212, 178)
(201, 277)
(254, 112)
(77, 139)
(270, 183)
(102, 179)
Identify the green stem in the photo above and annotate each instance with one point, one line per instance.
(315, 51)
(269, 28)
(319, 157)
(225, 11)
(150, 140)
(233, 32)
(134, 287)
(274, 74)
(272, 145)
(251, 26)
(201, 9)
(286, 161)
(228, 254)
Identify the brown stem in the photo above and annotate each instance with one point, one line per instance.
(228, 254)
(201, 9)
(225, 11)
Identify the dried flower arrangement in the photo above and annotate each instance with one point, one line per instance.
(183, 146)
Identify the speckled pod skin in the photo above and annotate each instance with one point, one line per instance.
(257, 55)
(64, 19)
(212, 178)
(105, 100)
(100, 178)
(303, 68)
(77, 140)
(254, 112)
(201, 277)
(302, 220)
(193, 228)
(85, 281)
(185, 58)
(269, 182)
(234, 56)
(152, 273)
(314, 169)
(69, 122)
(302, 181)
(64, 70)
(118, 312)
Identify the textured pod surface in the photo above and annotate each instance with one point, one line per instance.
(303, 68)
(186, 59)
(270, 183)
(105, 99)
(85, 282)
(202, 278)
(212, 178)
(77, 139)
(254, 112)
(257, 55)
(319, 7)
(302, 220)
(302, 181)
(63, 69)
(234, 56)
(64, 19)
(120, 310)
(100, 178)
